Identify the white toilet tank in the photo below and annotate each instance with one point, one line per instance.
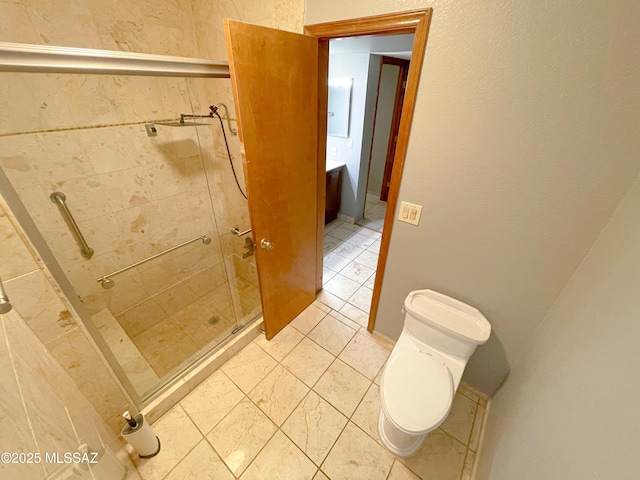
(444, 323)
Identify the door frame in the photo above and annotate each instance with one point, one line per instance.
(395, 122)
(416, 22)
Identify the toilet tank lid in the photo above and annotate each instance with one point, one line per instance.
(448, 313)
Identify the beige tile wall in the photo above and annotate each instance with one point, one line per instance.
(60, 419)
(35, 103)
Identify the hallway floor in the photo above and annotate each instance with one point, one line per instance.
(305, 406)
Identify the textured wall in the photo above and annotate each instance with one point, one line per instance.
(524, 140)
(569, 409)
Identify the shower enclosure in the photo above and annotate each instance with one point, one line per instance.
(136, 207)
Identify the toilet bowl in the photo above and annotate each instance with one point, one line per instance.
(424, 369)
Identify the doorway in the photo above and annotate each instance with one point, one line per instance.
(365, 92)
(413, 22)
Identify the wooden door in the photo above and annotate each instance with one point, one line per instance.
(274, 76)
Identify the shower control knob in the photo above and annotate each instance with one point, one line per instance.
(264, 243)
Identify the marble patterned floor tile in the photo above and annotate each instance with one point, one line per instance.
(348, 250)
(241, 435)
(368, 259)
(342, 387)
(368, 232)
(360, 240)
(367, 414)
(357, 456)
(280, 459)
(248, 367)
(353, 313)
(478, 425)
(332, 225)
(314, 426)
(341, 286)
(375, 247)
(211, 401)
(330, 300)
(308, 319)
(341, 232)
(468, 391)
(346, 320)
(459, 422)
(371, 282)
(278, 394)
(335, 261)
(362, 299)
(165, 346)
(401, 472)
(308, 361)
(327, 275)
(178, 435)
(203, 463)
(332, 334)
(331, 242)
(378, 377)
(441, 457)
(365, 355)
(322, 306)
(357, 272)
(281, 344)
(469, 462)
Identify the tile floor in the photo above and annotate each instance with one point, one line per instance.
(374, 212)
(350, 261)
(305, 406)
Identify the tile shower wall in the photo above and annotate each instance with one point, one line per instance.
(60, 420)
(42, 307)
(25, 105)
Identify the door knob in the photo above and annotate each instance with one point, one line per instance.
(264, 243)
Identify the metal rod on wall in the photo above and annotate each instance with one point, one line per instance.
(59, 199)
(108, 283)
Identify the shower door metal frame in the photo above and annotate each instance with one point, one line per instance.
(16, 57)
(21, 57)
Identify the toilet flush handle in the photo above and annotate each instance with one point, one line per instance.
(403, 310)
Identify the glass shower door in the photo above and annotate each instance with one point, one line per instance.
(142, 193)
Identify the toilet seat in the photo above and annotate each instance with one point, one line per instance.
(416, 391)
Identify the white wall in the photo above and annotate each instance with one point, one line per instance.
(524, 140)
(382, 129)
(569, 409)
(356, 66)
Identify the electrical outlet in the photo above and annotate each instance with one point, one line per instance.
(350, 142)
(410, 213)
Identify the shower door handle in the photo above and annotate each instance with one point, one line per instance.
(264, 243)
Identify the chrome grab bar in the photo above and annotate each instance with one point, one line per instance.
(59, 199)
(5, 305)
(238, 233)
(106, 281)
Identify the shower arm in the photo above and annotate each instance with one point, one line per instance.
(214, 109)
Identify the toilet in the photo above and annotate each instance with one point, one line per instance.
(424, 369)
